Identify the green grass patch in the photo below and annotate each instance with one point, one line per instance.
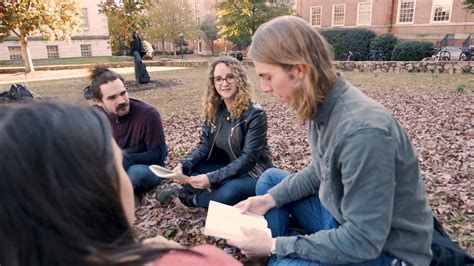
(70, 61)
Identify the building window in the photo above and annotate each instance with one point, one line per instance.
(338, 14)
(15, 53)
(364, 13)
(197, 11)
(85, 19)
(53, 51)
(406, 11)
(86, 50)
(442, 10)
(315, 16)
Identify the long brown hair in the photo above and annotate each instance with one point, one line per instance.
(288, 41)
(212, 99)
(60, 192)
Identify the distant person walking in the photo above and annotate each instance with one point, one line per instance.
(138, 51)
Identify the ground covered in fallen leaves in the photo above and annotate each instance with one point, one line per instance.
(439, 121)
(436, 110)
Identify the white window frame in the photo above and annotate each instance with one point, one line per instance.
(85, 18)
(197, 11)
(15, 53)
(358, 13)
(320, 15)
(343, 19)
(83, 50)
(52, 54)
(433, 6)
(398, 13)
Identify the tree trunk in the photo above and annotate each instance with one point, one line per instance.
(163, 47)
(25, 54)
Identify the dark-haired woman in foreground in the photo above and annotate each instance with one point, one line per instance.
(65, 198)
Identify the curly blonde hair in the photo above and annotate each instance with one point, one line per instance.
(288, 41)
(243, 95)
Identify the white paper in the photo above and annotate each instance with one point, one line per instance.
(225, 221)
(166, 173)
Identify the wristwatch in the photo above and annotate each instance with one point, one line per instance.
(273, 249)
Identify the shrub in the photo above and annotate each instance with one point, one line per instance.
(343, 40)
(163, 53)
(384, 43)
(412, 51)
(460, 88)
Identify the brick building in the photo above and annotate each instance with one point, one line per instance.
(92, 41)
(201, 10)
(443, 22)
(409, 20)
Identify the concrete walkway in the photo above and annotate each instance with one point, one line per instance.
(70, 73)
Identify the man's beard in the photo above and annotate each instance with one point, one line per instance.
(121, 107)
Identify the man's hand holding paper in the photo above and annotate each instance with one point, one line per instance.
(255, 243)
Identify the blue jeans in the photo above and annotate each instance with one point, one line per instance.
(142, 178)
(230, 192)
(310, 215)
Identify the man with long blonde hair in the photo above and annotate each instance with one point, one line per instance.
(361, 201)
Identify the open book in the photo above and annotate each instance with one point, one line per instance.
(225, 221)
(166, 173)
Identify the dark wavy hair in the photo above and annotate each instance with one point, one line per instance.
(99, 75)
(59, 190)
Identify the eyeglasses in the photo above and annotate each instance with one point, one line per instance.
(229, 78)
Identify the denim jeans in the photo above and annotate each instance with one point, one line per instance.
(230, 192)
(310, 215)
(142, 178)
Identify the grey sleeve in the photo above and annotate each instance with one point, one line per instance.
(296, 186)
(367, 167)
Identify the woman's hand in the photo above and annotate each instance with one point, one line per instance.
(178, 169)
(200, 181)
(255, 243)
(258, 204)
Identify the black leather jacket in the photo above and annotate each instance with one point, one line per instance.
(248, 144)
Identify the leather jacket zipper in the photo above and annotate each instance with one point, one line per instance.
(232, 129)
(214, 140)
(230, 137)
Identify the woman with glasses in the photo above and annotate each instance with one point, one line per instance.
(233, 150)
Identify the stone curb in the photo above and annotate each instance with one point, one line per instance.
(13, 70)
(445, 67)
(450, 67)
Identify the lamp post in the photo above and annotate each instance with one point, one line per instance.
(181, 43)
